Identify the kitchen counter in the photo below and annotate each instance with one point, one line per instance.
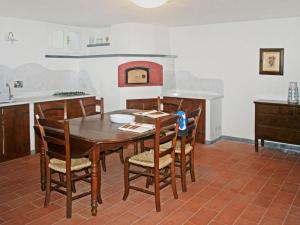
(35, 99)
(213, 110)
(196, 95)
(46, 98)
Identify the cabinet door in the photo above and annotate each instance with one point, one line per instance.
(16, 131)
(1, 136)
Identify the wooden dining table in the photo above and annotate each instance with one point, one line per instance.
(91, 135)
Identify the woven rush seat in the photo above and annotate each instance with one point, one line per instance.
(188, 147)
(147, 159)
(76, 164)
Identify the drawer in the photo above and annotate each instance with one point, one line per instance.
(276, 110)
(287, 135)
(278, 120)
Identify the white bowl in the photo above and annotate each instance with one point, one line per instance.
(122, 118)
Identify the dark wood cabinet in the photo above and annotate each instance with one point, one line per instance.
(1, 136)
(277, 121)
(15, 137)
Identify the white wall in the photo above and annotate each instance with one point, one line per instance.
(103, 73)
(139, 38)
(25, 59)
(32, 44)
(231, 52)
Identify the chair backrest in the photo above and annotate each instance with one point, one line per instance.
(163, 135)
(169, 105)
(54, 110)
(90, 106)
(192, 124)
(56, 144)
(144, 104)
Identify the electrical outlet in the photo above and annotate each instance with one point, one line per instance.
(18, 84)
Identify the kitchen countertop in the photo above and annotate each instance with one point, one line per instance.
(46, 98)
(197, 95)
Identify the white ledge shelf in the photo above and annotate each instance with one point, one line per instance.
(97, 45)
(109, 55)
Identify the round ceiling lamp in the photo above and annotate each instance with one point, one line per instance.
(149, 3)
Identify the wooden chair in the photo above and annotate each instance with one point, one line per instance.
(155, 164)
(169, 105)
(58, 160)
(184, 150)
(88, 108)
(50, 111)
(166, 105)
(144, 104)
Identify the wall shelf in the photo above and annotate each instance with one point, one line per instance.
(110, 56)
(97, 45)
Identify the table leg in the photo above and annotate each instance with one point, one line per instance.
(94, 185)
(43, 169)
(262, 142)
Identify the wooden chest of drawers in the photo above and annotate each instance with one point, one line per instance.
(277, 121)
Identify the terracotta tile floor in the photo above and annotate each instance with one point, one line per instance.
(234, 185)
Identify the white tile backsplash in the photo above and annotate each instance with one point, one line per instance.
(38, 80)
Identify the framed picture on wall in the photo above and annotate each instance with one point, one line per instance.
(271, 61)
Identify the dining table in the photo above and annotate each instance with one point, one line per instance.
(91, 135)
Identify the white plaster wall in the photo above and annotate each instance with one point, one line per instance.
(231, 52)
(139, 38)
(103, 73)
(32, 44)
(25, 59)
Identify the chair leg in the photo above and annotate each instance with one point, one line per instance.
(61, 177)
(192, 168)
(99, 185)
(73, 185)
(69, 195)
(103, 158)
(172, 171)
(157, 190)
(121, 155)
(148, 179)
(48, 187)
(183, 171)
(136, 148)
(86, 171)
(142, 146)
(126, 179)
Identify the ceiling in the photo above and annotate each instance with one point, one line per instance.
(98, 13)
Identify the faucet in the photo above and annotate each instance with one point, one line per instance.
(10, 96)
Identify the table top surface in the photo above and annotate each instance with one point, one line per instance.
(99, 129)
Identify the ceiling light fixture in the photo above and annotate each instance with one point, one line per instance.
(149, 3)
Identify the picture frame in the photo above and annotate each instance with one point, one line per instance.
(271, 61)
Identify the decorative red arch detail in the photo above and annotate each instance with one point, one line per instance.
(155, 73)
